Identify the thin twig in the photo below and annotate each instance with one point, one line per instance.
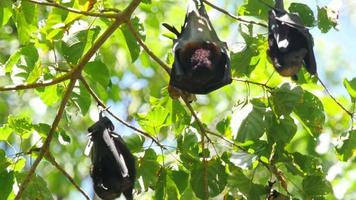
(233, 16)
(120, 18)
(102, 104)
(37, 84)
(254, 83)
(70, 179)
(333, 98)
(86, 13)
(148, 50)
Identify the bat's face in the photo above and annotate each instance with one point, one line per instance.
(290, 44)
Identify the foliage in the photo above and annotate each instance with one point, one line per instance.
(260, 129)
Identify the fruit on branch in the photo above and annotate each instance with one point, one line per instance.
(201, 60)
(113, 165)
(290, 43)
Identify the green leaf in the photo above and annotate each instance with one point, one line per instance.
(188, 143)
(245, 61)
(82, 98)
(48, 94)
(281, 130)
(285, 98)
(154, 120)
(42, 129)
(36, 189)
(348, 148)
(181, 180)
(6, 182)
(304, 164)
(224, 126)
(217, 178)
(26, 21)
(5, 11)
(166, 188)
(5, 132)
(255, 8)
(238, 182)
(21, 125)
(132, 44)
(28, 53)
(351, 88)
(253, 126)
(311, 113)
(316, 186)
(148, 168)
(4, 163)
(98, 72)
(325, 22)
(304, 12)
(135, 143)
(74, 47)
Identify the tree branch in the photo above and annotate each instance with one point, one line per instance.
(70, 179)
(120, 18)
(37, 84)
(233, 16)
(86, 13)
(48, 140)
(203, 135)
(102, 104)
(148, 50)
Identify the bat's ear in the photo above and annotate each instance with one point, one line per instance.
(171, 29)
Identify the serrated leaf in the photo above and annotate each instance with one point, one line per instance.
(74, 47)
(316, 185)
(351, 88)
(348, 148)
(304, 12)
(21, 125)
(285, 98)
(98, 72)
(132, 44)
(311, 113)
(154, 120)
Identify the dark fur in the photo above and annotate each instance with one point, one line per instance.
(105, 171)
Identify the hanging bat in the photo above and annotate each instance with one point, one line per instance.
(290, 43)
(113, 165)
(201, 60)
